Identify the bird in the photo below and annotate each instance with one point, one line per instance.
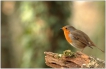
(77, 38)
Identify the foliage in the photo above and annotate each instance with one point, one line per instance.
(41, 22)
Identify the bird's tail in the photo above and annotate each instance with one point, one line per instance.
(100, 49)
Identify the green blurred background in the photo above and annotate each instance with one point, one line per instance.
(29, 28)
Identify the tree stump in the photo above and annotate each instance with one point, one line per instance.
(72, 60)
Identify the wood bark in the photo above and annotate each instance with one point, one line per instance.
(72, 60)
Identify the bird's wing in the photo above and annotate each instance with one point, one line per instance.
(81, 37)
(87, 38)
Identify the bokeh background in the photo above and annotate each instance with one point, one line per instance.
(29, 28)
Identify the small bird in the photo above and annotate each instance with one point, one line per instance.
(77, 38)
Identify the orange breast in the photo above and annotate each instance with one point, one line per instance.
(66, 33)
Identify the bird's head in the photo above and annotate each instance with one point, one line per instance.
(68, 28)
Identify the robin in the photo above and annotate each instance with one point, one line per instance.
(77, 38)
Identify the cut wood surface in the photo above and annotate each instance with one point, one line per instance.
(72, 60)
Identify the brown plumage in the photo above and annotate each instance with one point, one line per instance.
(77, 38)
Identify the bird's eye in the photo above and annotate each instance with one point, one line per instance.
(66, 28)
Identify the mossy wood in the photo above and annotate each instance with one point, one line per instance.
(72, 60)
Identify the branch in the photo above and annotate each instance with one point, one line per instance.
(72, 60)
